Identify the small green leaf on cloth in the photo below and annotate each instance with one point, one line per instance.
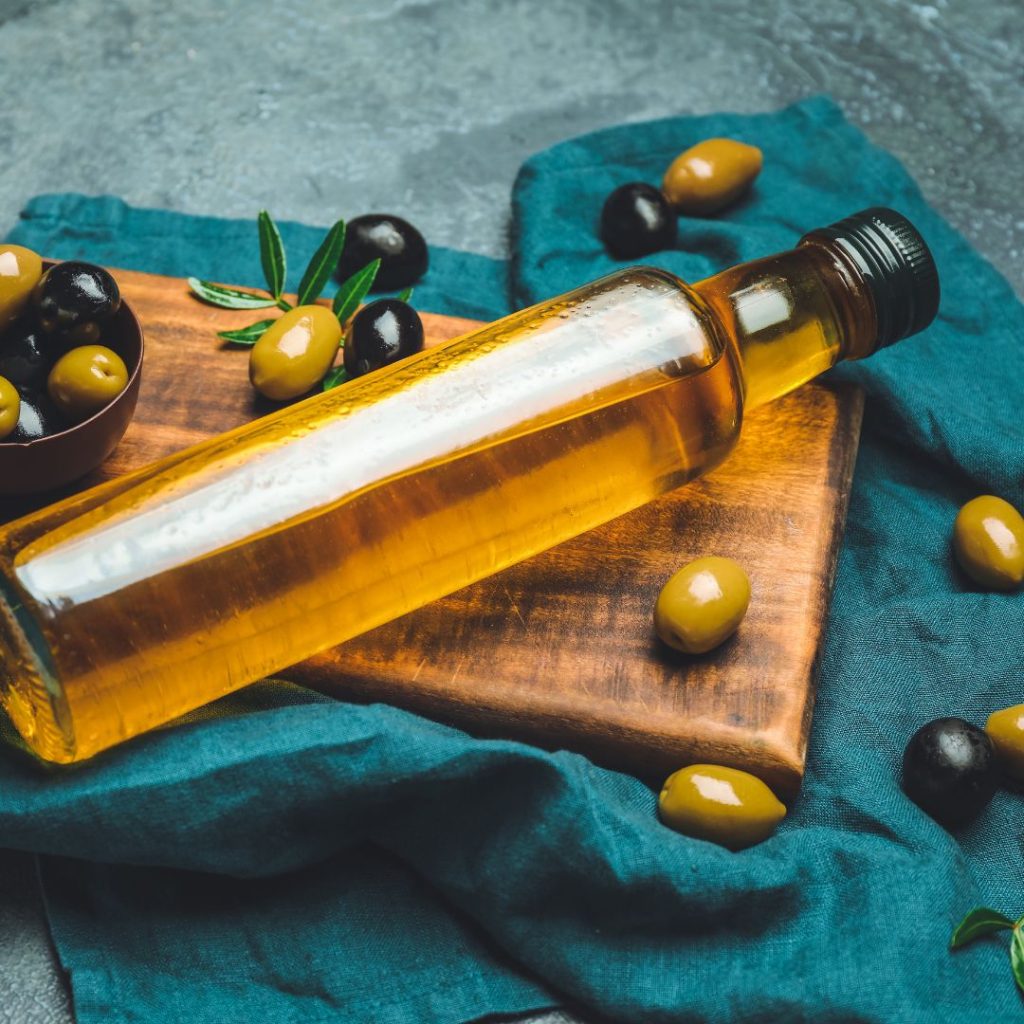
(980, 921)
(1017, 957)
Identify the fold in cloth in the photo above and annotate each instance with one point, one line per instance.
(299, 859)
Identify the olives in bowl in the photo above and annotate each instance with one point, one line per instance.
(10, 408)
(20, 272)
(72, 353)
(75, 299)
(25, 354)
(38, 418)
(85, 379)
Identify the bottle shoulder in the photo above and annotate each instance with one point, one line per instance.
(660, 297)
(718, 340)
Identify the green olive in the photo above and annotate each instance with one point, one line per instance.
(86, 379)
(1006, 731)
(702, 605)
(20, 271)
(988, 540)
(722, 805)
(10, 407)
(295, 352)
(711, 176)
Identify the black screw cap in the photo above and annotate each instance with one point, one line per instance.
(897, 265)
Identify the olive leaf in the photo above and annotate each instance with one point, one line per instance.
(271, 254)
(980, 921)
(246, 335)
(405, 295)
(354, 290)
(984, 921)
(1017, 956)
(322, 265)
(228, 298)
(335, 377)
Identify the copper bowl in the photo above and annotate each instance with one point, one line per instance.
(50, 462)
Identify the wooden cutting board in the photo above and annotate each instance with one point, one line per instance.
(559, 650)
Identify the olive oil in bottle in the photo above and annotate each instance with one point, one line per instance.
(132, 603)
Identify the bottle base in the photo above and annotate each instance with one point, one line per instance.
(29, 690)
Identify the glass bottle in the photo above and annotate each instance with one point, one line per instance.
(132, 603)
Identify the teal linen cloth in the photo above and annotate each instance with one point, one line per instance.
(302, 860)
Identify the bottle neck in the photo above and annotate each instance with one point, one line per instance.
(792, 316)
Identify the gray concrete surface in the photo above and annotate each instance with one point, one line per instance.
(326, 108)
(317, 108)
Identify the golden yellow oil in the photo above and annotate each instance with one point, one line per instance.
(131, 604)
(786, 319)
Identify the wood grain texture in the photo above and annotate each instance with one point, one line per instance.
(559, 650)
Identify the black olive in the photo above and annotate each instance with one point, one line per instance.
(401, 249)
(382, 333)
(949, 770)
(75, 298)
(39, 418)
(25, 355)
(637, 220)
